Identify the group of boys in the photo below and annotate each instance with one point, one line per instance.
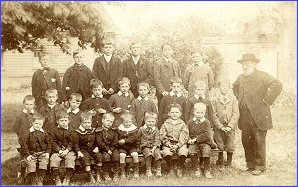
(103, 117)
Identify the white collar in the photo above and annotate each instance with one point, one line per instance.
(197, 97)
(32, 129)
(31, 111)
(108, 58)
(172, 94)
(82, 128)
(131, 128)
(52, 106)
(168, 60)
(101, 96)
(145, 127)
(140, 98)
(135, 59)
(201, 120)
(75, 111)
(200, 64)
(120, 93)
(62, 128)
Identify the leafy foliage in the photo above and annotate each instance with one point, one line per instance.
(24, 23)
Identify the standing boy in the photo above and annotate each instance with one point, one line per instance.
(108, 69)
(43, 79)
(74, 111)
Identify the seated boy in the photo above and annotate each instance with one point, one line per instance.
(121, 101)
(107, 142)
(226, 115)
(36, 147)
(50, 110)
(200, 140)
(97, 105)
(175, 96)
(128, 143)
(43, 79)
(150, 143)
(85, 147)
(199, 96)
(62, 149)
(174, 136)
(74, 111)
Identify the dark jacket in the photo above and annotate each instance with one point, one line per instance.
(50, 116)
(201, 130)
(61, 139)
(83, 140)
(142, 72)
(36, 141)
(107, 139)
(108, 73)
(23, 122)
(131, 137)
(257, 91)
(77, 78)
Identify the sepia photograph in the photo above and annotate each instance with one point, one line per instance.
(171, 93)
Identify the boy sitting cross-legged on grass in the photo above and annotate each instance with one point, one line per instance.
(74, 111)
(107, 141)
(174, 136)
(62, 149)
(200, 140)
(150, 143)
(121, 101)
(128, 143)
(86, 148)
(36, 147)
(97, 105)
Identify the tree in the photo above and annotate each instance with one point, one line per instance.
(24, 23)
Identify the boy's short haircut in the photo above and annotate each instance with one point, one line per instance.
(124, 80)
(135, 43)
(38, 116)
(200, 105)
(176, 80)
(150, 114)
(61, 114)
(76, 96)
(126, 115)
(107, 42)
(43, 54)
(77, 51)
(224, 81)
(94, 83)
(108, 115)
(145, 84)
(165, 45)
(174, 105)
(194, 51)
(28, 98)
(85, 115)
(200, 83)
(52, 91)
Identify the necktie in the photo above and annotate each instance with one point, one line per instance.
(46, 69)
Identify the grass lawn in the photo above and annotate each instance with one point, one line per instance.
(281, 154)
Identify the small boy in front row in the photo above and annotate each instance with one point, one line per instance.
(200, 140)
(150, 143)
(97, 105)
(128, 143)
(86, 148)
(225, 119)
(36, 147)
(107, 141)
(74, 111)
(62, 149)
(174, 136)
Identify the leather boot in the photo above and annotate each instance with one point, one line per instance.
(136, 170)
(122, 170)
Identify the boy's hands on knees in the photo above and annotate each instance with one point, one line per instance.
(191, 141)
(153, 149)
(109, 152)
(165, 93)
(30, 157)
(117, 110)
(80, 154)
(104, 91)
(121, 142)
(95, 150)
(64, 153)
(111, 91)
(47, 155)
(224, 129)
(101, 111)
(228, 129)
